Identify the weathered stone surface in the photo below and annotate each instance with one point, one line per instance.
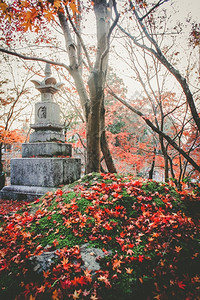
(90, 257)
(47, 149)
(45, 172)
(47, 111)
(21, 192)
(46, 136)
(42, 262)
(48, 126)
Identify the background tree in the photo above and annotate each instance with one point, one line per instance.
(154, 77)
(149, 43)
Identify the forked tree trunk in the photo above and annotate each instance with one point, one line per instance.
(96, 119)
(93, 103)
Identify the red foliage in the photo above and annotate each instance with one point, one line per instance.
(10, 206)
(138, 224)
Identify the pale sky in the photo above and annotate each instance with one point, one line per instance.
(188, 6)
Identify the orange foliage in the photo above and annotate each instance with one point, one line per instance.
(29, 15)
(10, 136)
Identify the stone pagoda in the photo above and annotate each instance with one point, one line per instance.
(46, 161)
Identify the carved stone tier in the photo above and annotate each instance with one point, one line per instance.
(46, 112)
(47, 126)
(47, 149)
(46, 136)
(47, 123)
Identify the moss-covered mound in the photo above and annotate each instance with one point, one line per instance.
(150, 245)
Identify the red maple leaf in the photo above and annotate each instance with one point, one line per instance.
(59, 192)
(181, 285)
(141, 258)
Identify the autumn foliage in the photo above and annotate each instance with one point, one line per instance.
(142, 226)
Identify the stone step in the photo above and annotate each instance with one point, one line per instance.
(21, 192)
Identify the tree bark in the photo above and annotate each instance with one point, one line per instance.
(152, 165)
(93, 123)
(104, 145)
(2, 174)
(96, 85)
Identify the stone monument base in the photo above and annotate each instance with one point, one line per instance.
(33, 177)
(47, 171)
(46, 161)
(22, 192)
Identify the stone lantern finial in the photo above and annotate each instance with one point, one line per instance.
(47, 70)
(48, 86)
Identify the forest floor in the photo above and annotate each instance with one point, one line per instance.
(148, 232)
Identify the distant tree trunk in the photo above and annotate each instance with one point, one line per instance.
(2, 174)
(165, 155)
(158, 131)
(152, 165)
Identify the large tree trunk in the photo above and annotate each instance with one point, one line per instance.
(96, 85)
(93, 104)
(93, 123)
(104, 144)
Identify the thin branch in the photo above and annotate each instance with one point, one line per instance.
(34, 58)
(80, 39)
(81, 140)
(160, 2)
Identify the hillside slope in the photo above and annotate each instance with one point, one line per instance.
(104, 237)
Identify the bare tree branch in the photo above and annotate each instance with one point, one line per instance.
(34, 58)
(160, 2)
(80, 39)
